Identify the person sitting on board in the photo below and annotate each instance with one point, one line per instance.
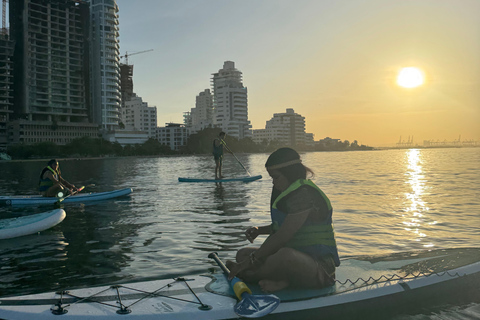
(51, 181)
(218, 145)
(300, 250)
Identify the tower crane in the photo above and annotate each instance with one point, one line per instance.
(126, 55)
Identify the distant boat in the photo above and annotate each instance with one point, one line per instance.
(4, 156)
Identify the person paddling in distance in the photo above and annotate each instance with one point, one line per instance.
(218, 146)
(300, 250)
(51, 181)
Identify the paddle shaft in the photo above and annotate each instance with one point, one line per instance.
(239, 287)
(75, 192)
(233, 154)
(215, 257)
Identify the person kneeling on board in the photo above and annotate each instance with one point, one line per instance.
(51, 181)
(300, 250)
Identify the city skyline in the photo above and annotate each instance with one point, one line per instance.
(335, 63)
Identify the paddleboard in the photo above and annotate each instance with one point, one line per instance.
(243, 179)
(365, 284)
(22, 226)
(80, 197)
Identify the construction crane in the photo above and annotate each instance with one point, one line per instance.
(126, 55)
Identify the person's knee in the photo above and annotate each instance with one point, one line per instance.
(286, 253)
(244, 253)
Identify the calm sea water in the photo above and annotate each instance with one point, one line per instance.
(384, 201)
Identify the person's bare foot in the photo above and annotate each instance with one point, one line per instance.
(273, 286)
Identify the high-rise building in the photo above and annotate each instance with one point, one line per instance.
(137, 115)
(6, 86)
(230, 102)
(202, 114)
(105, 64)
(174, 135)
(187, 119)
(51, 70)
(126, 82)
(287, 128)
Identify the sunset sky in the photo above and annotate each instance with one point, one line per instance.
(333, 62)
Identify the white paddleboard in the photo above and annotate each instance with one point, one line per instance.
(22, 226)
(370, 285)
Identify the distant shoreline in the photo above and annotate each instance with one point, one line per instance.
(203, 154)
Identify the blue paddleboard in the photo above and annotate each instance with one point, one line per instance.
(242, 179)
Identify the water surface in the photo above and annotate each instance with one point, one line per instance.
(384, 201)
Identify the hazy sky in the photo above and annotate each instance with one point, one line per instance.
(334, 62)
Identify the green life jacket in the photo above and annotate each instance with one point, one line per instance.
(45, 183)
(319, 235)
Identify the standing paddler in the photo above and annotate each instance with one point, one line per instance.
(218, 146)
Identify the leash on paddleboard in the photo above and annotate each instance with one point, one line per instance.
(249, 305)
(61, 197)
(233, 154)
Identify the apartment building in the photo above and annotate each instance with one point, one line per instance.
(51, 73)
(137, 115)
(6, 86)
(287, 128)
(230, 102)
(202, 114)
(174, 135)
(105, 64)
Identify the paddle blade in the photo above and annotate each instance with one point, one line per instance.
(256, 306)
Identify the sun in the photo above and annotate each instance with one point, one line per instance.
(410, 77)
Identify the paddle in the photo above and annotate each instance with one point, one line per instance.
(233, 154)
(61, 197)
(249, 305)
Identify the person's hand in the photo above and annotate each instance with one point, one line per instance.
(236, 268)
(252, 233)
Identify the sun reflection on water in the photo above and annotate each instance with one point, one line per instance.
(415, 218)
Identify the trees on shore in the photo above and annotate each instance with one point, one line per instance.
(198, 143)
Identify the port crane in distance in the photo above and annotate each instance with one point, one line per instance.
(126, 55)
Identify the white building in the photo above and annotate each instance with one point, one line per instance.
(287, 128)
(126, 137)
(174, 135)
(230, 102)
(137, 115)
(105, 64)
(202, 114)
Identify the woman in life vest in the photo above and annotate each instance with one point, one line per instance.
(51, 182)
(300, 250)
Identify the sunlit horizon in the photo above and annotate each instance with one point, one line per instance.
(332, 62)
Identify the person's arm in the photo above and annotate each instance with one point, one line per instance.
(253, 232)
(226, 147)
(67, 184)
(50, 176)
(292, 223)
